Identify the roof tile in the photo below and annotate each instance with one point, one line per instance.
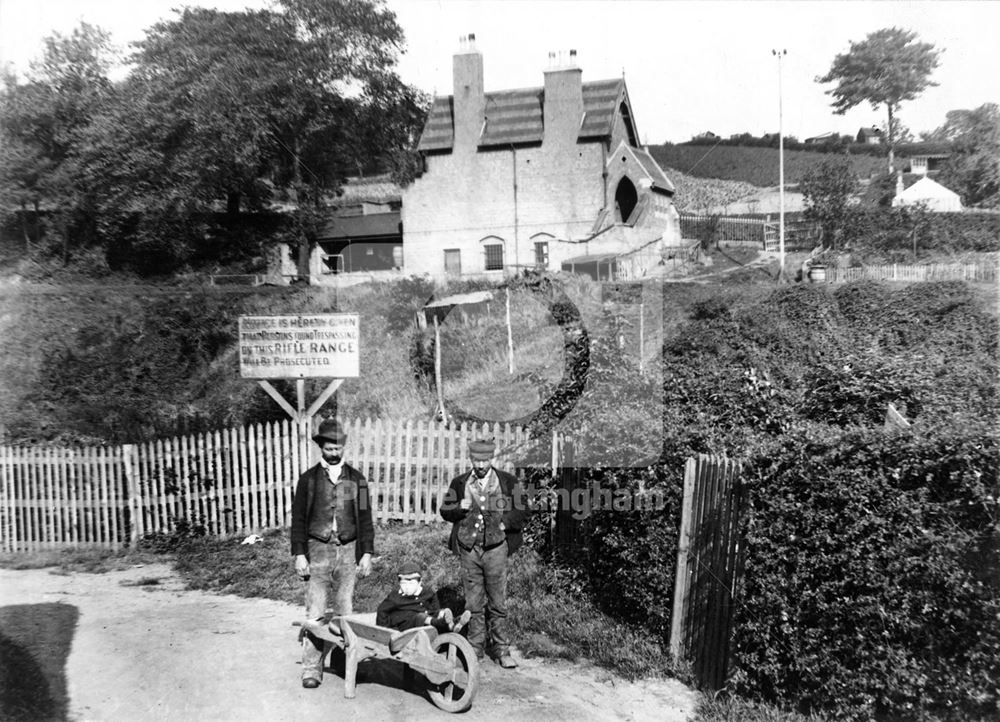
(515, 116)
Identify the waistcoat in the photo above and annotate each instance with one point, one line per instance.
(330, 512)
(482, 524)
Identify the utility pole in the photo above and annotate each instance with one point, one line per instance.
(779, 54)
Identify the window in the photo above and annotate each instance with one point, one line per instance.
(453, 262)
(541, 254)
(494, 256)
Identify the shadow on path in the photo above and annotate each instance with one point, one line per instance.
(35, 640)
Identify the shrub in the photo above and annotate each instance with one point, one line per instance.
(631, 554)
(871, 585)
(827, 189)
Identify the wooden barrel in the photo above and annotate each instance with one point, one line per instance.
(817, 274)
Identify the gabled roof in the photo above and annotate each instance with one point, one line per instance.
(652, 168)
(926, 188)
(515, 116)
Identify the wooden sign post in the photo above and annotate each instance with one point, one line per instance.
(300, 347)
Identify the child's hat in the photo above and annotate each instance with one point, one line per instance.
(409, 570)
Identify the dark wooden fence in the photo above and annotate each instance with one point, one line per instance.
(709, 558)
(709, 566)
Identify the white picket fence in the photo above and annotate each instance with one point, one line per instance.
(233, 481)
(982, 271)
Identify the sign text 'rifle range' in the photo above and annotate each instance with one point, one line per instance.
(282, 347)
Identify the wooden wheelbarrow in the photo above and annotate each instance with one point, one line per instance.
(447, 660)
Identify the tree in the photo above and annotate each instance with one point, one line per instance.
(827, 189)
(253, 107)
(886, 68)
(973, 169)
(900, 131)
(41, 122)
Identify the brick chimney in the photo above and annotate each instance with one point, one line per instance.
(563, 113)
(469, 96)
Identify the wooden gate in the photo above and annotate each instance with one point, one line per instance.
(709, 566)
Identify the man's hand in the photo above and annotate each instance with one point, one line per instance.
(302, 566)
(465, 504)
(365, 565)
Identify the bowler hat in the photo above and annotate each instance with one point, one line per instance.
(482, 449)
(409, 570)
(330, 430)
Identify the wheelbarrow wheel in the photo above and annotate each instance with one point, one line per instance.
(457, 694)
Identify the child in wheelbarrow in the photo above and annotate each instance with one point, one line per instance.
(413, 605)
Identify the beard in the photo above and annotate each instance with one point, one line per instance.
(332, 460)
(481, 473)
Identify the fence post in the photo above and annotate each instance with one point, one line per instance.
(683, 547)
(7, 479)
(136, 529)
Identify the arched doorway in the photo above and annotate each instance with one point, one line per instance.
(626, 198)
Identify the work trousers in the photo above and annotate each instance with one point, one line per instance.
(332, 567)
(484, 579)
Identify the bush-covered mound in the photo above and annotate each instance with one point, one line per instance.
(852, 530)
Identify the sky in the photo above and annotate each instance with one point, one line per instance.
(690, 67)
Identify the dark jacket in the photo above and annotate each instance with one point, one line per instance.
(515, 508)
(399, 612)
(359, 507)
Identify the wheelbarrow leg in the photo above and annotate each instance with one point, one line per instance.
(351, 659)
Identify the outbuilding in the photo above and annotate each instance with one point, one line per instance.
(927, 192)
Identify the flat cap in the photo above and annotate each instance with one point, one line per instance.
(482, 448)
(408, 570)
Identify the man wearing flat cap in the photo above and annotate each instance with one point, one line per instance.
(487, 508)
(333, 537)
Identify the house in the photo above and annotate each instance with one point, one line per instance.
(527, 178)
(707, 135)
(928, 192)
(870, 135)
(924, 163)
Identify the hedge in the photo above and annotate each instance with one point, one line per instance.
(872, 584)
(882, 229)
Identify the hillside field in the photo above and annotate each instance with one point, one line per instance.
(755, 166)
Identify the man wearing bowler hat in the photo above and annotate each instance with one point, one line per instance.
(487, 508)
(333, 537)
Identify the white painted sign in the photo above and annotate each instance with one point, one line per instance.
(295, 347)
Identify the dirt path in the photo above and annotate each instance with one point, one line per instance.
(146, 649)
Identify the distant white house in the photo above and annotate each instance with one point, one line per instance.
(872, 135)
(929, 192)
